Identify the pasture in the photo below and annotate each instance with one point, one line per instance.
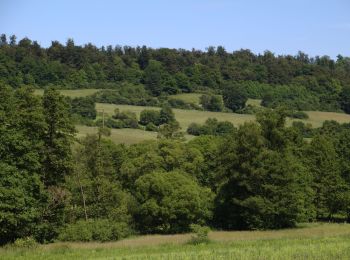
(186, 117)
(311, 241)
(120, 136)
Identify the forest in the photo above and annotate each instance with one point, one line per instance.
(259, 175)
(299, 82)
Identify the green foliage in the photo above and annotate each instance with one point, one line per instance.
(94, 230)
(84, 106)
(179, 103)
(299, 81)
(292, 97)
(234, 97)
(151, 127)
(211, 127)
(170, 130)
(58, 137)
(331, 192)
(25, 243)
(166, 115)
(125, 93)
(153, 77)
(345, 99)
(264, 184)
(297, 114)
(127, 118)
(211, 102)
(170, 202)
(149, 116)
(200, 235)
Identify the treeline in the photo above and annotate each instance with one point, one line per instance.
(260, 175)
(300, 82)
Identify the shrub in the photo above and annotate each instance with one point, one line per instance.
(95, 230)
(211, 127)
(194, 129)
(298, 115)
(149, 116)
(84, 106)
(200, 235)
(211, 102)
(151, 127)
(27, 242)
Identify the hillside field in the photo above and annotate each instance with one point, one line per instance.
(186, 117)
(312, 241)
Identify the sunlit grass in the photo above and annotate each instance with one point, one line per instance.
(314, 241)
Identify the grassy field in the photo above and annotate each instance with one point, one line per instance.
(71, 92)
(254, 102)
(194, 98)
(123, 136)
(185, 117)
(120, 136)
(188, 98)
(316, 241)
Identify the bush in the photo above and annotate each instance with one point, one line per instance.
(194, 129)
(249, 110)
(200, 235)
(211, 127)
(149, 116)
(235, 97)
(84, 106)
(27, 242)
(151, 127)
(211, 102)
(95, 230)
(178, 103)
(298, 115)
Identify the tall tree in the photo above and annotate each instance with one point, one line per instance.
(58, 138)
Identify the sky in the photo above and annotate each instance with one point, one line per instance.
(316, 27)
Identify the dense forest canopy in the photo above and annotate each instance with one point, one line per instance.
(300, 81)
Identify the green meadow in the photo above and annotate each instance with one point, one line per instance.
(312, 241)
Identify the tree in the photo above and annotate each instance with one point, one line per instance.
(170, 130)
(264, 186)
(170, 202)
(153, 77)
(95, 191)
(149, 116)
(211, 102)
(58, 138)
(21, 205)
(21, 190)
(166, 115)
(331, 192)
(84, 106)
(345, 99)
(3, 40)
(234, 97)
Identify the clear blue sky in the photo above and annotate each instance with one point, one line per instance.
(317, 27)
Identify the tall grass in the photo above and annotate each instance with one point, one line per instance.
(326, 241)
